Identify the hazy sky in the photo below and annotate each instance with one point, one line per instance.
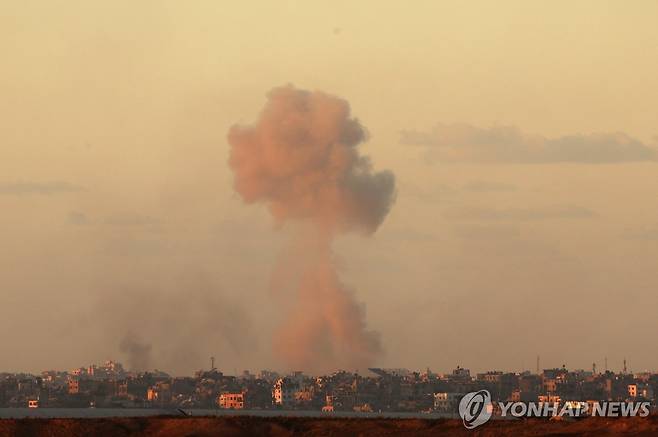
(522, 136)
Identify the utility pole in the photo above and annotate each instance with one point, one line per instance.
(537, 364)
(606, 364)
(212, 363)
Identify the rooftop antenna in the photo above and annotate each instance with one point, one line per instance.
(212, 363)
(624, 366)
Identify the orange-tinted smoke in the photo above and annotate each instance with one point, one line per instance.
(301, 158)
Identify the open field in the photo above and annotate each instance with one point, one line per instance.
(289, 426)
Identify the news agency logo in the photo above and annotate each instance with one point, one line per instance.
(475, 408)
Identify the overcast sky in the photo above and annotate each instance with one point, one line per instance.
(522, 136)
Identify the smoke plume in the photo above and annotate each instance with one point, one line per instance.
(173, 323)
(138, 352)
(301, 158)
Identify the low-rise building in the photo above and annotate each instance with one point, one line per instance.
(640, 390)
(447, 402)
(231, 401)
(73, 386)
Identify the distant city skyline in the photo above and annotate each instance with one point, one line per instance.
(110, 386)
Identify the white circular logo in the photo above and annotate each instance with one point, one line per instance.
(475, 408)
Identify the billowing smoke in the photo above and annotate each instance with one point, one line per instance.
(301, 158)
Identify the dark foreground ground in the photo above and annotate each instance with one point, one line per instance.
(288, 426)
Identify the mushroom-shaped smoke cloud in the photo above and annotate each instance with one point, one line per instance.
(301, 158)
